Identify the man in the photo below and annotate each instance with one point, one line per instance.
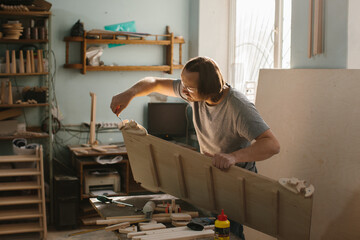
(225, 121)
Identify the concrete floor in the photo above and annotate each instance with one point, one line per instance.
(54, 234)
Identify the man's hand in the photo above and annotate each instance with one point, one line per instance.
(222, 161)
(119, 102)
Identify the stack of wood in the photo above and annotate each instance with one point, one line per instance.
(12, 30)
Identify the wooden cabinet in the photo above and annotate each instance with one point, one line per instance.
(101, 37)
(22, 198)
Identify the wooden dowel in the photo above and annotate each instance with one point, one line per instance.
(40, 64)
(7, 59)
(10, 97)
(32, 61)
(28, 61)
(21, 62)
(13, 61)
(310, 28)
(3, 89)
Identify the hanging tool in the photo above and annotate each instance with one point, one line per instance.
(105, 199)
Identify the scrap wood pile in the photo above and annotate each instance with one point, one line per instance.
(141, 227)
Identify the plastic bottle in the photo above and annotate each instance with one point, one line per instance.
(222, 227)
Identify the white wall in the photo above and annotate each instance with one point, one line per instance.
(353, 59)
(213, 31)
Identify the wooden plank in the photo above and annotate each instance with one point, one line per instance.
(260, 194)
(16, 200)
(20, 213)
(19, 158)
(156, 226)
(19, 172)
(10, 113)
(319, 109)
(20, 228)
(7, 186)
(183, 235)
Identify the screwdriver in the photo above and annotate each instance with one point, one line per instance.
(105, 199)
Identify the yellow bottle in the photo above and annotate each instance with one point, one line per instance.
(222, 227)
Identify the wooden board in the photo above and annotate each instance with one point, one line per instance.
(315, 115)
(249, 198)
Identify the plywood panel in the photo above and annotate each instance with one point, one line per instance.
(246, 197)
(315, 114)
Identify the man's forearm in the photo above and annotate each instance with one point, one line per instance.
(152, 84)
(264, 148)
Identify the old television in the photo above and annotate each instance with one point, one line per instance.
(167, 120)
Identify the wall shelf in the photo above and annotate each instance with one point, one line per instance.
(107, 37)
(23, 105)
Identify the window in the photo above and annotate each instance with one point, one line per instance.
(260, 35)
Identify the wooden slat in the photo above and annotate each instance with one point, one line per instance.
(28, 41)
(23, 105)
(30, 13)
(128, 68)
(20, 228)
(180, 176)
(19, 158)
(16, 200)
(20, 213)
(8, 186)
(22, 74)
(19, 172)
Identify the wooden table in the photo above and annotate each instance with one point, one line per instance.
(83, 157)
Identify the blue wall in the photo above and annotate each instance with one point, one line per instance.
(72, 88)
(335, 35)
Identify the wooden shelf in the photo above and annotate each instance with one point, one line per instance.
(107, 37)
(22, 74)
(27, 136)
(19, 172)
(19, 213)
(19, 158)
(23, 105)
(20, 228)
(23, 41)
(25, 14)
(17, 200)
(11, 186)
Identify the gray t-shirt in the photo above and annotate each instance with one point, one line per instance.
(228, 126)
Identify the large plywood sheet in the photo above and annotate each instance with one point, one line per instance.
(249, 198)
(315, 114)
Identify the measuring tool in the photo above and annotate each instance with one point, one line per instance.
(105, 199)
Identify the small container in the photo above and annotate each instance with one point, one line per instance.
(222, 227)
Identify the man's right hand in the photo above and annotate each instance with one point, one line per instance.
(119, 102)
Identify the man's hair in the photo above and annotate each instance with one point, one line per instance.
(211, 81)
